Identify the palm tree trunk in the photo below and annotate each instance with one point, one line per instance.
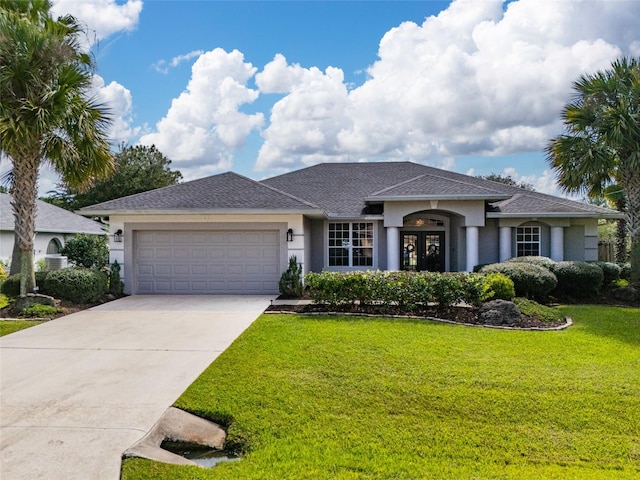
(621, 233)
(25, 177)
(15, 256)
(632, 190)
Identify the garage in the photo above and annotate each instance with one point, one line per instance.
(207, 262)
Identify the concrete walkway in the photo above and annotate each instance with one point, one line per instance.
(76, 392)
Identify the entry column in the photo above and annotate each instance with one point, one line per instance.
(393, 248)
(472, 248)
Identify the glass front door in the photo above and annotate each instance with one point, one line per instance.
(422, 251)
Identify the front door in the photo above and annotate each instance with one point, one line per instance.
(422, 251)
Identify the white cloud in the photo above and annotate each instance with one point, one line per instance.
(102, 17)
(118, 100)
(204, 124)
(163, 66)
(475, 80)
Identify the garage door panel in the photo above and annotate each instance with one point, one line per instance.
(208, 262)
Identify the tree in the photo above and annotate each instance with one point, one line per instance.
(137, 169)
(507, 180)
(46, 114)
(601, 143)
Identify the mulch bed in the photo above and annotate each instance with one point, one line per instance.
(457, 314)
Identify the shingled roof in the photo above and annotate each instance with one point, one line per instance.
(224, 192)
(49, 218)
(343, 190)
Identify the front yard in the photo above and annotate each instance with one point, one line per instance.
(346, 398)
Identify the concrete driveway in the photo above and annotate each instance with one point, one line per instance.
(76, 392)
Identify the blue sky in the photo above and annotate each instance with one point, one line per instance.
(474, 86)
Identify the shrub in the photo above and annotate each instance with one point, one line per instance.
(115, 284)
(529, 280)
(88, 251)
(497, 285)
(11, 286)
(625, 273)
(545, 262)
(38, 310)
(3, 273)
(291, 280)
(79, 285)
(534, 309)
(611, 272)
(579, 279)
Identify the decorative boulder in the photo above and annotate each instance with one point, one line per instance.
(625, 294)
(30, 298)
(499, 312)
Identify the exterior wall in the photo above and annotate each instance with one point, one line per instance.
(489, 239)
(581, 240)
(471, 210)
(318, 245)
(381, 238)
(40, 244)
(123, 251)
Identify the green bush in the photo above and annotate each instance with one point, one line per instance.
(529, 280)
(38, 310)
(625, 273)
(115, 284)
(88, 251)
(11, 286)
(545, 262)
(291, 280)
(534, 309)
(498, 286)
(611, 272)
(579, 279)
(79, 285)
(409, 290)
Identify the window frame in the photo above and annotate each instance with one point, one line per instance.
(354, 239)
(522, 232)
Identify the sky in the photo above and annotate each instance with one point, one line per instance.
(262, 87)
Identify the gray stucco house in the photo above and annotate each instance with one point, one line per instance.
(230, 234)
(54, 226)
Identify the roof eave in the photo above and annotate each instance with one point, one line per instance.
(612, 216)
(407, 198)
(201, 211)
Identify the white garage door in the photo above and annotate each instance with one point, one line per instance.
(218, 262)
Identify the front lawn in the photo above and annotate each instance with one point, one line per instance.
(10, 326)
(347, 398)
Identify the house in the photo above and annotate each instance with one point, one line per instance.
(54, 226)
(230, 234)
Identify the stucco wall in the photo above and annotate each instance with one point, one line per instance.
(40, 244)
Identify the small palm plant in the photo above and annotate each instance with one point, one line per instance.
(291, 280)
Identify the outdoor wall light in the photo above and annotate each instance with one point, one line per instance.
(290, 235)
(117, 236)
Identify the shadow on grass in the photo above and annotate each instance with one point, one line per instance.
(620, 323)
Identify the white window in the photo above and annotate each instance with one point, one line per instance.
(351, 244)
(527, 241)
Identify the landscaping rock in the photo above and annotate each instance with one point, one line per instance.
(31, 298)
(625, 294)
(499, 312)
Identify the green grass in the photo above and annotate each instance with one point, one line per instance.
(10, 326)
(348, 398)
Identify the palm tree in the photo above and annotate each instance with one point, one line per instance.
(614, 195)
(601, 144)
(46, 114)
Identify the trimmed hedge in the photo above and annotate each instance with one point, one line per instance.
(579, 279)
(545, 262)
(79, 285)
(11, 286)
(411, 290)
(529, 280)
(498, 286)
(611, 272)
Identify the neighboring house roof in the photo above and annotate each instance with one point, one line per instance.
(50, 219)
(343, 190)
(218, 193)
